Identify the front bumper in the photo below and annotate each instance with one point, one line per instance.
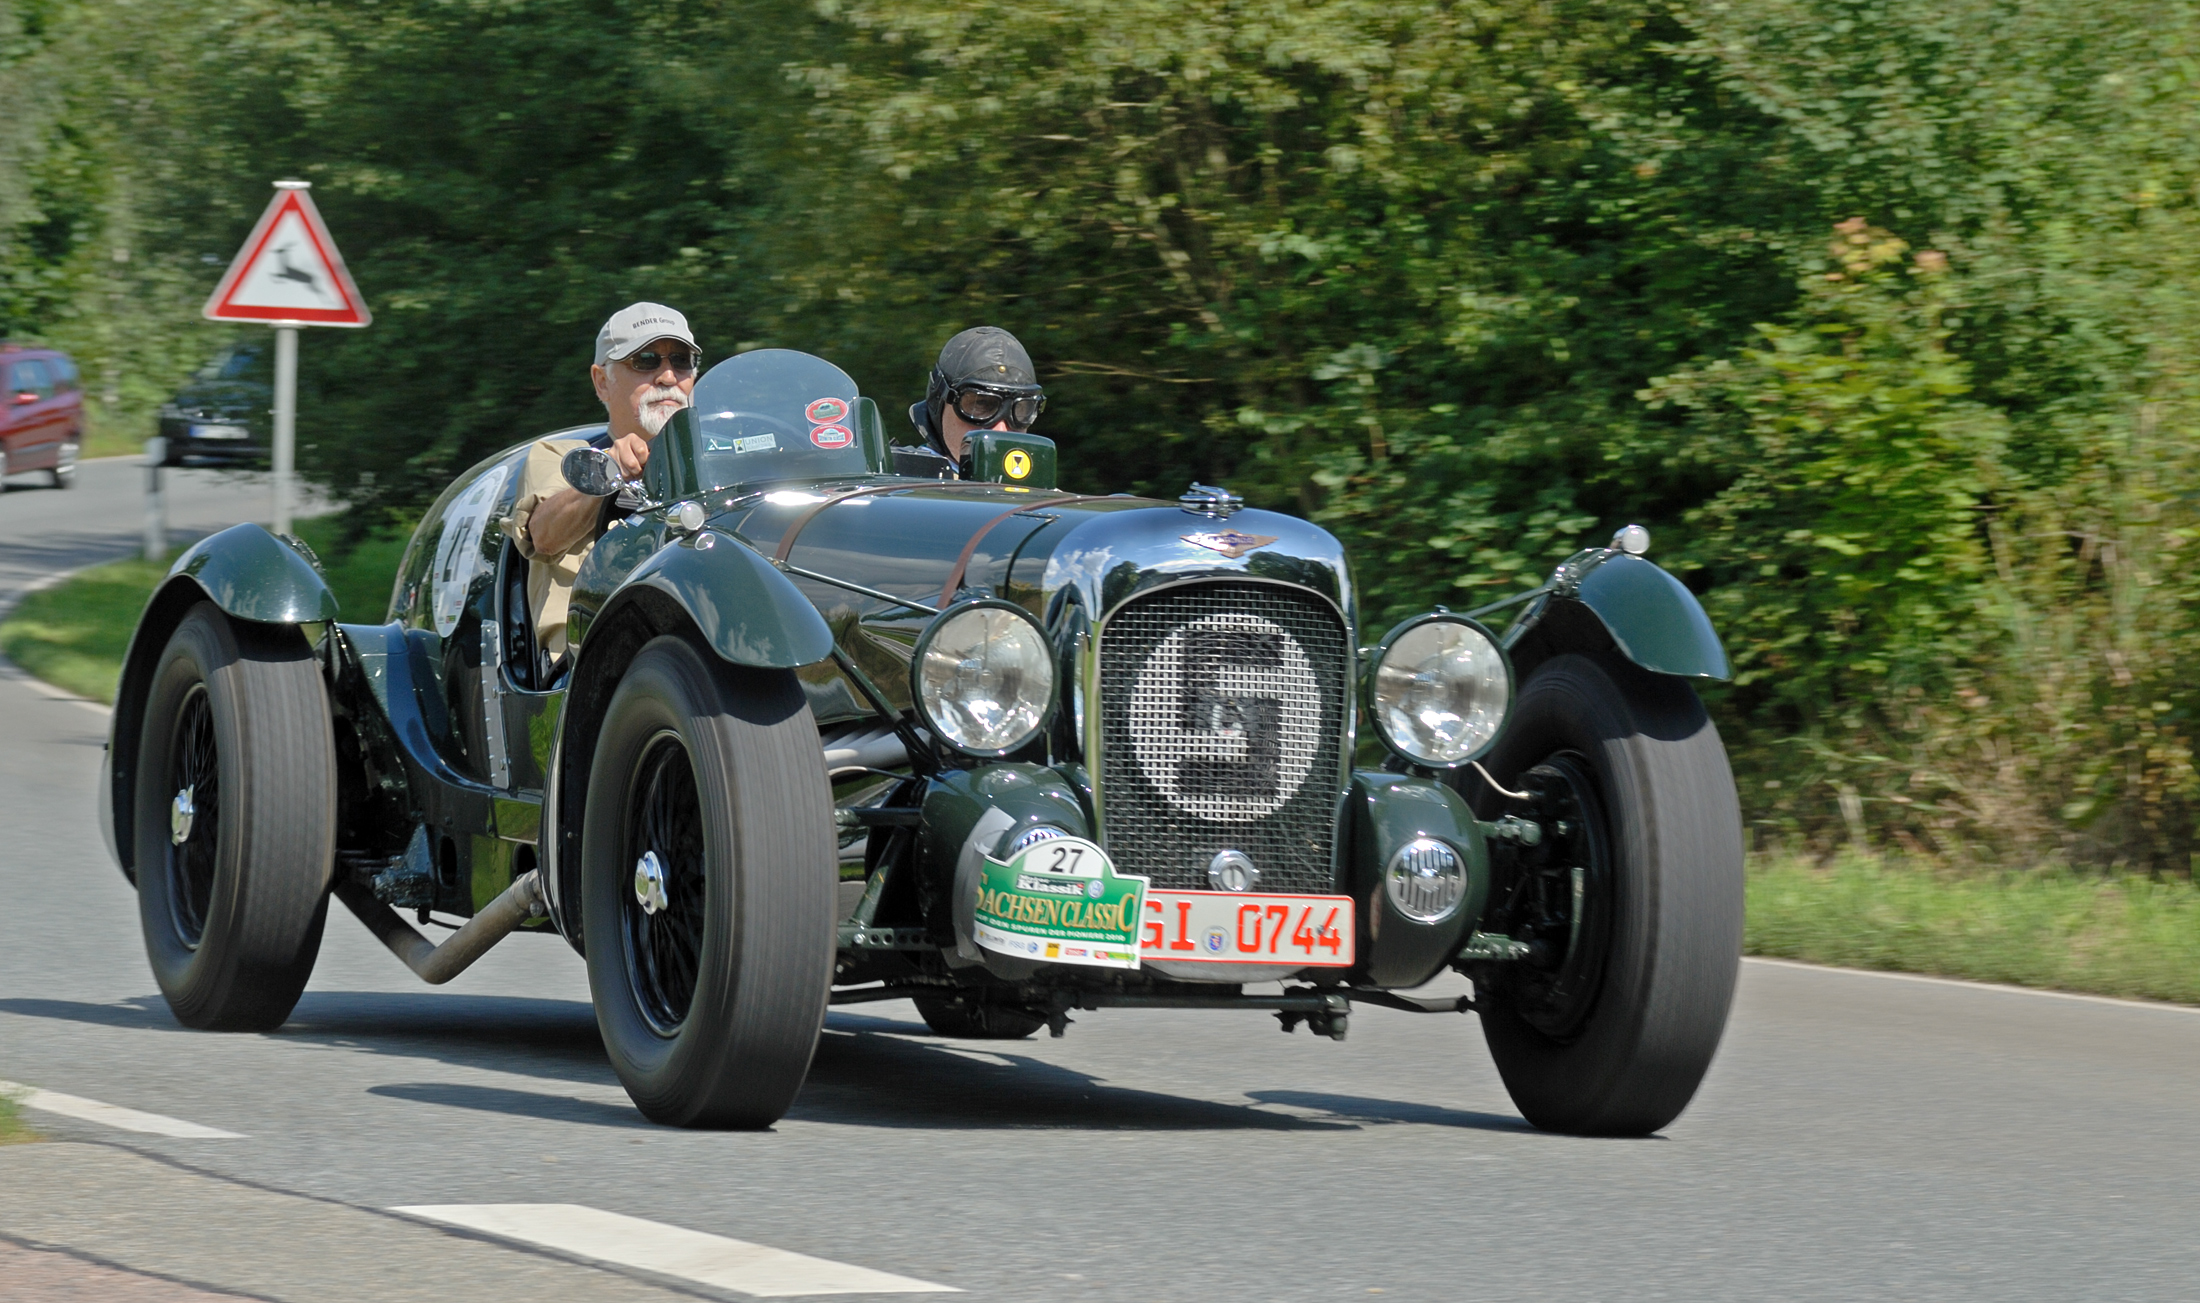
(1407, 933)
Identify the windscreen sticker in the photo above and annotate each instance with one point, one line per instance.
(832, 436)
(458, 551)
(752, 443)
(827, 411)
(1060, 902)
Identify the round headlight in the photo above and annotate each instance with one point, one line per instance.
(1441, 689)
(983, 677)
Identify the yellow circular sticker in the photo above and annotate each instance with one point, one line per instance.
(1017, 464)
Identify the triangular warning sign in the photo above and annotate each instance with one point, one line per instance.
(289, 272)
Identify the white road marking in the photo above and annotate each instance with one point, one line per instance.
(669, 1250)
(111, 1115)
(2159, 1006)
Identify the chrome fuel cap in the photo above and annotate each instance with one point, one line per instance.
(1232, 871)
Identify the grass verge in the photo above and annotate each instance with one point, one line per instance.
(75, 634)
(13, 1129)
(2128, 936)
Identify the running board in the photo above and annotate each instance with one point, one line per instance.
(437, 964)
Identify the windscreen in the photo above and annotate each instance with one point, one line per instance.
(775, 414)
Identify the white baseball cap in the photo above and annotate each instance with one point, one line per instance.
(637, 324)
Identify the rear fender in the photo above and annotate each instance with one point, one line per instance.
(251, 575)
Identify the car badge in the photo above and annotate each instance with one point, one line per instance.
(1229, 542)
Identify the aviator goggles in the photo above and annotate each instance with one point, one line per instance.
(650, 363)
(982, 405)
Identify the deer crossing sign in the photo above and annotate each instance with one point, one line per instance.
(288, 272)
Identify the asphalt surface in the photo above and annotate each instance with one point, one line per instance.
(1861, 1136)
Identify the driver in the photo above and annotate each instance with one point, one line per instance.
(646, 360)
(983, 381)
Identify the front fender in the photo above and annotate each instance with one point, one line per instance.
(1657, 623)
(748, 612)
(253, 575)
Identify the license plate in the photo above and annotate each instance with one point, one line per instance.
(220, 432)
(1240, 927)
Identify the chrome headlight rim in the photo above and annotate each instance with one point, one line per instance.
(1373, 705)
(916, 677)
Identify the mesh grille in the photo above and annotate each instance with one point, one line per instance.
(1222, 727)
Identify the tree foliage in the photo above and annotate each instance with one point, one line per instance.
(1880, 313)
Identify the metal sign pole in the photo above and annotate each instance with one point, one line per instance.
(286, 422)
(156, 509)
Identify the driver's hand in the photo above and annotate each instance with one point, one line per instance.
(630, 451)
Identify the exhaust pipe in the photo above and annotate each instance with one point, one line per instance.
(437, 964)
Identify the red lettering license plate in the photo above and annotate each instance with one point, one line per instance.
(1243, 927)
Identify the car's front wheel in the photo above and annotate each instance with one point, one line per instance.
(1631, 903)
(63, 472)
(708, 871)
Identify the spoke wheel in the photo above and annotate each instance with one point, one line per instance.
(194, 820)
(708, 874)
(234, 812)
(664, 914)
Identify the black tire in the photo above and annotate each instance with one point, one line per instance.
(1611, 1028)
(63, 473)
(971, 1021)
(710, 1005)
(232, 896)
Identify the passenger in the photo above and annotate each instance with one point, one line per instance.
(646, 360)
(983, 381)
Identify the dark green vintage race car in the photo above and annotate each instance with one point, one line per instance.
(838, 726)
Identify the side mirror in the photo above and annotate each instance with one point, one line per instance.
(592, 471)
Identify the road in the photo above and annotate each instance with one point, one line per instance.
(1861, 1136)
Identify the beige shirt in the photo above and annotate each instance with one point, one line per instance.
(549, 575)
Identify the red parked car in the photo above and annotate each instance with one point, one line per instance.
(41, 414)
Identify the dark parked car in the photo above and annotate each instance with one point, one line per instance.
(222, 415)
(42, 421)
(835, 728)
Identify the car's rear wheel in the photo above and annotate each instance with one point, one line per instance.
(1632, 903)
(708, 870)
(64, 464)
(972, 1021)
(235, 810)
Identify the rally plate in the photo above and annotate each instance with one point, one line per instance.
(1246, 927)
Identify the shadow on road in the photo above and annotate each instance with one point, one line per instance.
(869, 1071)
(1359, 1108)
(516, 1103)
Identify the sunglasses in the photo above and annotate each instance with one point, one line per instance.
(982, 406)
(651, 363)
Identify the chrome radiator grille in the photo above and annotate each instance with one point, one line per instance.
(1222, 710)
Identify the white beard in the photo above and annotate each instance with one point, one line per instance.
(653, 417)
